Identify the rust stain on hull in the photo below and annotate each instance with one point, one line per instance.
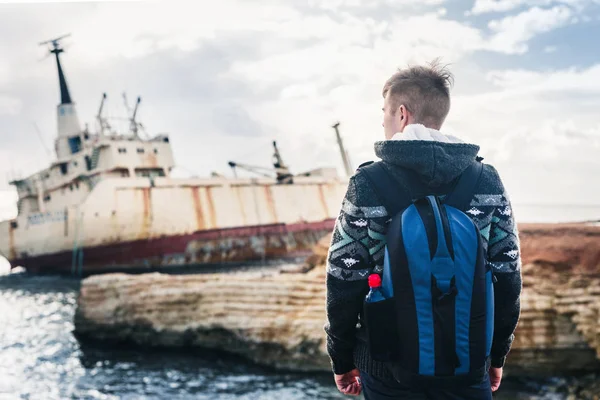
(147, 214)
(271, 203)
(323, 200)
(242, 244)
(12, 253)
(200, 224)
(211, 208)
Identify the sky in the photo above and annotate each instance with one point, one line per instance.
(224, 79)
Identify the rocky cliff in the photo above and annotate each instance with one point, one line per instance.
(276, 317)
(270, 318)
(559, 329)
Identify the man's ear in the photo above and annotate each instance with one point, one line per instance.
(403, 112)
(402, 117)
(400, 111)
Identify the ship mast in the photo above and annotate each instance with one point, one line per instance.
(65, 96)
(345, 158)
(69, 140)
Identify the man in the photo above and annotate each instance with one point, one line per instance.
(416, 103)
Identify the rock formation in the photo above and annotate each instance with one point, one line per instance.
(271, 318)
(559, 329)
(276, 317)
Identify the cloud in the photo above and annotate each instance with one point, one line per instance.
(232, 119)
(512, 33)
(9, 105)
(551, 141)
(498, 6)
(403, 4)
(354, 50)
(540, 129)
(583, 80)
(166, 25)
(527, 98)
(550, 164)
(137, 29)
(4, 72)
(486, 6)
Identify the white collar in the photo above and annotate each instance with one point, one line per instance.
(420, 132)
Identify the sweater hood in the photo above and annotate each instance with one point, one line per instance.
(436, 158)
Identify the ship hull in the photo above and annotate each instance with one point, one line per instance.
(188, 251)
(141, 224)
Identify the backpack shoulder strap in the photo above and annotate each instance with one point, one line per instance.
(394, 196)
(460, 196)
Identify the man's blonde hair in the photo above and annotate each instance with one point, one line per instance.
(423, 90)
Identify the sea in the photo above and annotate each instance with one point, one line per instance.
(40, 358)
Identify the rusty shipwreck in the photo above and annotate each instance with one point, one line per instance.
(108, 203)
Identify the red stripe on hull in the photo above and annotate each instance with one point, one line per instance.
(203, 247)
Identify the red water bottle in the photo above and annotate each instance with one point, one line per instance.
(375, 294)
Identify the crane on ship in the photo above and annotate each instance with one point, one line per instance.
(281, 170)
(283, 174)
(102, 121)
(134, 125)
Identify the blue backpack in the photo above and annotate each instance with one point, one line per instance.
(435, 324)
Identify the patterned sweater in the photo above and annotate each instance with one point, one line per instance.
(358, 242)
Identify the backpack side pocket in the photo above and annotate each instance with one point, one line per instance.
(382, 329)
